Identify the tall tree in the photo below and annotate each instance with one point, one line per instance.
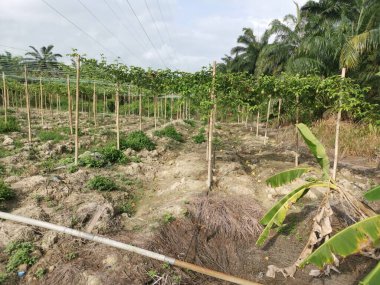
(43, 59)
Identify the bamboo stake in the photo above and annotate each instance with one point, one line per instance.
(69, 105)
(129, 100)
(41, 103)
(104, 103)
(94, 105)
(155, 112)
(210, 131)
(171, 108)
(297, 135)
(127, 247)
(140, 110)
(147, 98)
(27, 106)
(338, 118)
(165, 101)
(117, 117)
(267, 122)
(77, 110)
(4, 99)
(279, 111)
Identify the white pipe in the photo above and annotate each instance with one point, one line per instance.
(131, 248)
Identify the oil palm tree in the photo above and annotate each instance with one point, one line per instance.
(287, 38)
(244, 55)
(10, 64)
(44, 59)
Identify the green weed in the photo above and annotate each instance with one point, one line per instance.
(19, 253)
(6, 193)
(102, 183)
(51, 136)
(137, 141)
(190, 122)
(11, 125)
(170, 132)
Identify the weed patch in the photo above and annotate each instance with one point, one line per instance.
(170, 132)
(137, 141)
(102, 183)
(19, 253)
(11, 125)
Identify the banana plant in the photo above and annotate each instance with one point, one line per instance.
(361, 237)
(276, 215)
(321, 229)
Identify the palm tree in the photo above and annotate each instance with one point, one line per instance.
(44, 59)
(287, 38)
(246, 53)
(10, 64)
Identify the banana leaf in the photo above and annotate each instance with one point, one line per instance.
(276, 215)
(316, 148)
(373, 278)
(373, 194)
(353, 239)
(286, 177)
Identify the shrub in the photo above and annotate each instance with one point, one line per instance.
(102, 183)
(190, 122)
(112, 155)
(137, 141)
(51, 136)
(6, 193)
(90, 159)
(19, 253)
(200, 137)
(169, 132)
(11, 125)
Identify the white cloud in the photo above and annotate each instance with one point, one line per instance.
(193, 33)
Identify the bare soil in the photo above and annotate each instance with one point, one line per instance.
(173, 215)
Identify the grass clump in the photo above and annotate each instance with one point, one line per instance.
(112, 155)
(19, 253)
(200, 137)
(51, 136)
(11, 125)
(189, 122)
(137, 141)
(6, 193)
(169, 132)
(102, 183)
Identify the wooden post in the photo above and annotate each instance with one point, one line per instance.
(267, 122)
(69, 105)
(297, 135)
(129, 100)
(338, 118)
(117, 117)
(155, 111)
(27, 106)
(171, 108)
(4, 99)
(238, 113)
(140, 110)
(257, 123)
(210, 131)
(147, 98)
(104, 103)
(165, 108)
(94, 104)
(279, 111)
(77, 111)
(41, 103)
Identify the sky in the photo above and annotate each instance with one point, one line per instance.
(175, 34)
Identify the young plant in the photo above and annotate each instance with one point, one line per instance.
(137, 141)
(19, 253)
(102, 183)
(321, 229)
(170, 132)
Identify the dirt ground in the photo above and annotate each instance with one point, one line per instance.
(171, 212)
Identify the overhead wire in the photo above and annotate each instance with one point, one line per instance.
(108, 30)
(146, 34)
(121, 22)
(79, 28)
